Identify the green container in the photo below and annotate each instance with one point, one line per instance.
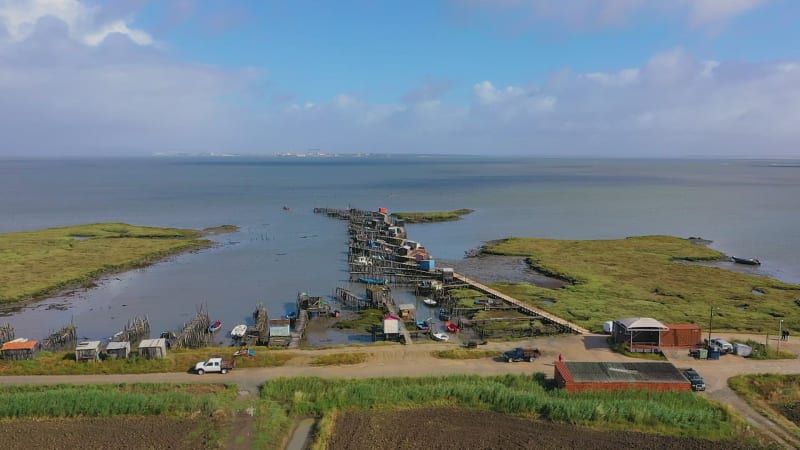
(703, 353)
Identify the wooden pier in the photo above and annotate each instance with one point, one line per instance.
(522, 306)
(299, 329)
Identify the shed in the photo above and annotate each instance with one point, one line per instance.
(427, 264)
(682, 335)
(153, 348)
(87, 351)
(20, 349)
(407, 311)
(119, 350)
(279, 328)
(391, 325)
(614, 376)
(447, 274)
(641, 334)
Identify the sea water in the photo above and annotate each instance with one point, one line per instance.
(747, 208)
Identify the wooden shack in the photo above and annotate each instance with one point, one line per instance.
(153, 348)
(407, 311)
(17, 349)
(118, 350)
(87, 351)
(279, 332)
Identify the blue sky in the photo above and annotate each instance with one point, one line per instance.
(540, 77)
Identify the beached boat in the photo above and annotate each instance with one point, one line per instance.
(452, 328)
(748, 261)
(215, 326)
(369, 280)
(430, 302)
(440, 337)
(239, 330)
(423, 325)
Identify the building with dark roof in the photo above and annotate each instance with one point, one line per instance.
(614, 376)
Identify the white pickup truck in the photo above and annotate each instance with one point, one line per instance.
(216, 364)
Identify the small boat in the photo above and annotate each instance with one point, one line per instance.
(369, 280)
(443, 314)
(452, 328)
(442, 337)
(430, 302)
(239, 330)
(215, 326)
(748, 261)
(423, 325)
(291, 315)
(286, 208)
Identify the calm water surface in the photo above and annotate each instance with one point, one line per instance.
(748, 208)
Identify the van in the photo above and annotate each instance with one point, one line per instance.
(723, 345)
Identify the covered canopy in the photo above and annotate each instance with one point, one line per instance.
(642, 324)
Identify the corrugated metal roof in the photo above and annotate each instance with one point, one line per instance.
(118, 345)
(20, 345)
(88, 345)
(148, 343)
(609, 372)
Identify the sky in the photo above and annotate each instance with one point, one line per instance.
(579, 78)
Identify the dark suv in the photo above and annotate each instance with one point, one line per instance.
(697, 381)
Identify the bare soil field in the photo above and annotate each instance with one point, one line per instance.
(121, 433)
(445, 428)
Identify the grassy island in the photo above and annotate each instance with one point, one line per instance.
(433, 216)
(650, 276)
(36, 264)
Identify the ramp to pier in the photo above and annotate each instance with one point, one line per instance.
(522, 305)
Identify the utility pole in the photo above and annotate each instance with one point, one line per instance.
(710, 318)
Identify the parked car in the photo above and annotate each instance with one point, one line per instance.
(723, 345)
(216, 364)
(698, 384)
(522, 354)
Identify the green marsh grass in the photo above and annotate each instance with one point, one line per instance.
(433, 216)
(35, 264)
(338, 359)
(648, 276)
(671, 413)
(110, 400)
(365, 320)
(462, 353)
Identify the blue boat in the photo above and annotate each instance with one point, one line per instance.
(291, 315)
(372, 280)
(423, 325)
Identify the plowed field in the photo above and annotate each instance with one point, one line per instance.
(120, 433)
(433, 429)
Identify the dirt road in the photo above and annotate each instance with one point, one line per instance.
(416, 360)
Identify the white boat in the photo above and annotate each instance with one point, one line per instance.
(429, 302)
(239, 330)
(440, 337)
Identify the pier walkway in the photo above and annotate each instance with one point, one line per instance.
(549, 317)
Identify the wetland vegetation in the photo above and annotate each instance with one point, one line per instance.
(650, 276)
(433, 216)
(36, 264)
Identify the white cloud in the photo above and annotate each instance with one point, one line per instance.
(703, 12)
(19, 17)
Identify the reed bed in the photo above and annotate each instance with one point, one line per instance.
(461, 353)
(433, 216)
(109, 400)
(671, 413)
(657, 276)
(336, 359)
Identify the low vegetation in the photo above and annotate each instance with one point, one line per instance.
(365, 320)
(651, 276)
(112, 400)
(63, 363)
(36, 264)
(462, 353)
(433, 216)
(775, 396)
(338, 359)
(763, 351)
(621, 348)
(671, 413)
